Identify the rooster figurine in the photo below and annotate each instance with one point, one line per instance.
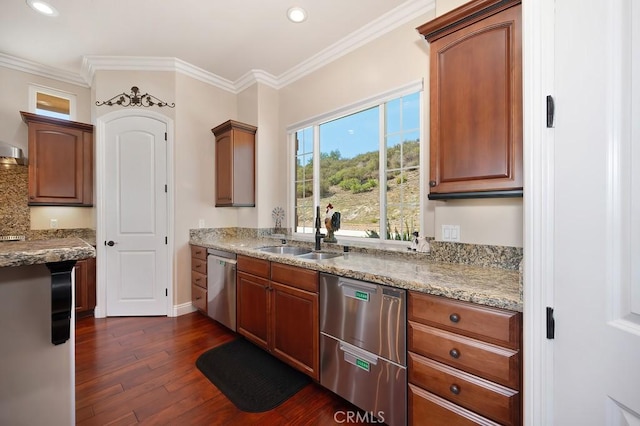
(332, 223)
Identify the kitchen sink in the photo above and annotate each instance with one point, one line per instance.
(295, 251)
(315, 255)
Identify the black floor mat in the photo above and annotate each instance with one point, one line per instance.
(252, 379)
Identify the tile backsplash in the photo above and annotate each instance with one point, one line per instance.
(15, 216)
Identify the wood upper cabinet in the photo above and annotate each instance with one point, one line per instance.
(476, 100)
(60, 161)
(235, 164)
(280, 314)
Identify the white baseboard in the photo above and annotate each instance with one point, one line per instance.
(183, 309)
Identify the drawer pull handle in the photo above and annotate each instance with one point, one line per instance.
(454, 389)
(454, 317)
(454, 353)
(198, 280)
(198, 297)
(198, 251)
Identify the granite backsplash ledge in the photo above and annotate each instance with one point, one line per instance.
(486, 256)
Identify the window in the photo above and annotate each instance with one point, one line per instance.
(366, 165)
(52, 102)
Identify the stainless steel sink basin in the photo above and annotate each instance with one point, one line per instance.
(315, 255)
(295, 251)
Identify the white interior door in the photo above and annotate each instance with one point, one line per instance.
(135, 213)
(596, 359)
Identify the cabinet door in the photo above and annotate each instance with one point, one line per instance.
(224, 169)
(85, 286)
(476, 107)
(253, 308)
(60, 161)
(294, 317)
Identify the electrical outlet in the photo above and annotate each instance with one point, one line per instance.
(53, 223)
(451, 233)
(201, 223)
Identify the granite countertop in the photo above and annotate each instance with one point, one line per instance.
(486, 286)
(21, 253)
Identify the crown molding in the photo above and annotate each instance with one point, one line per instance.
(35, 68)
(388, 22)
(402, 14)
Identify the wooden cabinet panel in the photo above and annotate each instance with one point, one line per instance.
(85, 287)
(304, 279)
(295, 325)
(251, 265)
(198, 252)
(476, 100)
(199, 279)
(281, 317)
(253, 308)
(199, 298)
(199, 265)
(489, 399)
(235, 164)
(60, 161)
(492, 362)
(426, 408)
(480, 322)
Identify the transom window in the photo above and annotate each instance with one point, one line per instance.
(366, 165)
(52, 102)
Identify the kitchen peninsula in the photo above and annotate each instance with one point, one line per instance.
(36, 329)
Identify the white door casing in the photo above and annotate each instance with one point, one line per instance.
(592, 225)
(133, 167)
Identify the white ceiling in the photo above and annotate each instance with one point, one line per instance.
(227, 38)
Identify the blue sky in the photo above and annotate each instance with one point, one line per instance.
(358, 133)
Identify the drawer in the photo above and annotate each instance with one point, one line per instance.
(251, 265)
(492, 325)
(371, 383)
(489, 399)
(424, 405)
(199, 279)
(304, 279)
(199, 265)
(489, 361)
(199, 298)
(199, 252)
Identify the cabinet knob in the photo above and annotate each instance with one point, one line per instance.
(454, 389)
(432, 183)
(454, 353)
(454, 317)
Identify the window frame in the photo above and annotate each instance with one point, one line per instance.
(34, 89)
(315, 122)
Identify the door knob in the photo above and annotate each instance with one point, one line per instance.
(111, 243)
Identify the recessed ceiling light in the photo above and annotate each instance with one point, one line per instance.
(42, 7)
(296, 14)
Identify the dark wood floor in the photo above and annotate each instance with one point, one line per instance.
(141, 370)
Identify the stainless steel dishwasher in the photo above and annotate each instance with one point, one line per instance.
(221, 287)
(363, 354)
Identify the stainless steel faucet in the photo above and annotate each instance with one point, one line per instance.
(319, 235)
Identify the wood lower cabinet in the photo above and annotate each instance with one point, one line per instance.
(60, 161)
(235, 164)
(476, 100)
(278, 310)
(85, 287)
(464, 364)
(199, 278)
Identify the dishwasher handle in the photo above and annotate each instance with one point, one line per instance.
(357, 290)
(358, 357)
(223, 260)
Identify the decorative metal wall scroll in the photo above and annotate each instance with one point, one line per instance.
(135, 100)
